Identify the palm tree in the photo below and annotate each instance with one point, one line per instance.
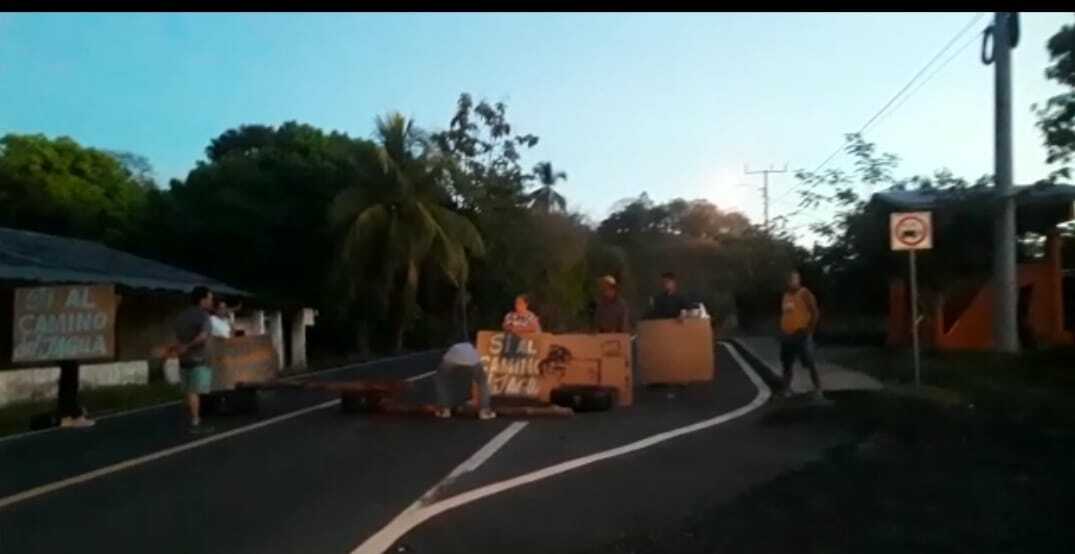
(545, 198)
(394, 219)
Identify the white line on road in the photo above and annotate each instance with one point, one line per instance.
(134, 462)
(175, 402)
(376, 545)
(409, 519)
(473, 462)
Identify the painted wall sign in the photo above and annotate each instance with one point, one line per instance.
(73, 323)
(532, 366)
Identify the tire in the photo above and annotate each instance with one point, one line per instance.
(584, 398)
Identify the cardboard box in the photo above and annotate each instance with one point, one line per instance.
(674, 352)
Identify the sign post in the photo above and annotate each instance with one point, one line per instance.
(912, 231)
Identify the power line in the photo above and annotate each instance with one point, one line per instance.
(875, 117)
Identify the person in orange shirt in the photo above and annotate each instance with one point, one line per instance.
(798, 321)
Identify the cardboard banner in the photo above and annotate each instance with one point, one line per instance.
(532, 366)
(250, 359)
(674, 352)
(67, 323)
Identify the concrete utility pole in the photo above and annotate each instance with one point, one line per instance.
(1004, 33)
(765, 186)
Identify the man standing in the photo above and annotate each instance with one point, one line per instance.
(462, 358)
(611, 314)
(192, 331)
(798, 321)
(670, 304)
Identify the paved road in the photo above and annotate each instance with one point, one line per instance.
(327, 482)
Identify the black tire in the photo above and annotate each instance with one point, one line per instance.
(584, 398)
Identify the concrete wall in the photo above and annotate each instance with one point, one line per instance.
(40, 383)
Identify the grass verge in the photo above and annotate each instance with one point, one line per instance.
(15, 418)
(982, 461)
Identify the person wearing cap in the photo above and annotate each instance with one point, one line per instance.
(611, 314)
(670, 304)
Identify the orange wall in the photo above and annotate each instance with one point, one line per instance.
(974, 328)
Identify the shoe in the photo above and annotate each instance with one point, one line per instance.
(201, 429)
(486, 415)
(786, 393)
(81, 422)
(819, 396)
(443, 413)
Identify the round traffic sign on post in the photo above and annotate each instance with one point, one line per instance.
(911, 231)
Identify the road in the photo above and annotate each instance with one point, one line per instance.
(303, 477)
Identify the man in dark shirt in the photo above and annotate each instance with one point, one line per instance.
(192, 331)
(611, 314)
(670, 303)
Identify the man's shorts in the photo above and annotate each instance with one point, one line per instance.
(197, 379)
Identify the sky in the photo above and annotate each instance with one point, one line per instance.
(671, 104)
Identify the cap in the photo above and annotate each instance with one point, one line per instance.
(608, 279)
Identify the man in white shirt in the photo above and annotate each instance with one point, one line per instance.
(220, 321)
(462, 358)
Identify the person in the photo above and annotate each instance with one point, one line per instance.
(610, 313)
(192, 331)
(518, 322)
(462, 358)
(798, 321)
(70, 411)
(220, 321)
(521, 320)
(670, 304)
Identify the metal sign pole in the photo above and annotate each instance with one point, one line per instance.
(914, 318)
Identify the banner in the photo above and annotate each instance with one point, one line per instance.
(68, 323)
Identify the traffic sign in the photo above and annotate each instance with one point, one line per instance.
(911, 231)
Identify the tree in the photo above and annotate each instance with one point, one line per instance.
(395, 218)
(545, 198)
(1057, 118)
(59, 187)
(253, 213)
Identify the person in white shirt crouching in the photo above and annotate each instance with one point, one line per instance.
(462, 358)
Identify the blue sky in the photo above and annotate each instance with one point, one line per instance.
(673, 104)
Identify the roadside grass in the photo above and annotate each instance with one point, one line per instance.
(983, 460)
(98, 401)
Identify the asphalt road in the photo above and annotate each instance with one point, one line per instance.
(326, 482)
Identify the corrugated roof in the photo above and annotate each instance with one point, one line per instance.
(935, 198)
(29, 256)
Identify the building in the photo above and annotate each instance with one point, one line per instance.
(959, 315)
(151, 295)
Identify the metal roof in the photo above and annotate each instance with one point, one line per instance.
(29, 256)
(925, 199)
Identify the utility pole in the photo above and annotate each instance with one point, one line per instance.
(765, 186)
(1005, 35)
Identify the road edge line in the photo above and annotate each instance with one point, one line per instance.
(409, 519)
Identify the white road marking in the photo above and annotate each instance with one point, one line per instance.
(470, 464)
(134, 462)
(175, 402)
(473, 462)
(411, 518)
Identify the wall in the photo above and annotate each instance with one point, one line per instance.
(39, 383)
(973, 329)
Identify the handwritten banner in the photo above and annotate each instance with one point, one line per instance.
(69, 323)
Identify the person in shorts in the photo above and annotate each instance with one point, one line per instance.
(462, 358)
(798, 320)
(192, 332)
